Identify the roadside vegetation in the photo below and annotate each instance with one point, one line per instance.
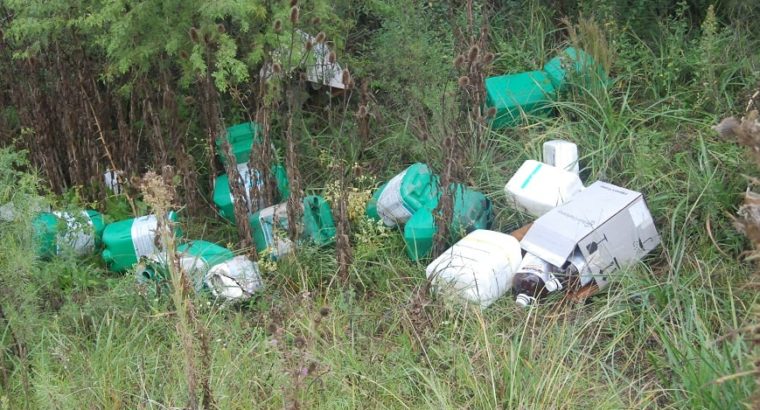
(88, 85)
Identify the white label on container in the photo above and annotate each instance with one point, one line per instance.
(274, 225)
(78, 234)
(144, 235)
(390, 205)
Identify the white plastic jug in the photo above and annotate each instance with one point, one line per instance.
(536, 188)
(562, 154)
(235, 279)
(478, 268)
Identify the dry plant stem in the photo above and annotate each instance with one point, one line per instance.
(237, 187)
(160, 195)
(295, 201)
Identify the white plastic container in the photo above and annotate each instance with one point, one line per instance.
(537, 188)
(562, 154)
(478, 268)
(114, 181)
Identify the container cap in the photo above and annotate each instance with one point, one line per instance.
(524, 300)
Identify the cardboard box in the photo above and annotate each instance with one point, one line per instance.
(610, 226)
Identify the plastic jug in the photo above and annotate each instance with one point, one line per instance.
(406, 193)
(223, 198)
(195, 258)
(55, 232)
(128, 240)
(270, 226)
(574, 62)
(514, 94)
(478, 268)
(536, 187)
(241, 138)
(472, 210)
(561, 154)
(210, 265)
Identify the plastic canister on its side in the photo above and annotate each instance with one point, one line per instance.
(406, 193)
(128, 240)
(562, 154)
(537, 188)
(478, 268)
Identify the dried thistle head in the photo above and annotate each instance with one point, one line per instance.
(194, 34)
(324, 311)
(472, 54)
(294, 15)
(220, 28)
(309, 45)
(321, 37)
(277, 26)
(293, 3)
(488, 58)
(463, 81)
(207, 38)
(459, 61)
(157, 192)
(277, 68)
(183, 55)
(316, 20)
(346, 76)
(331, 57)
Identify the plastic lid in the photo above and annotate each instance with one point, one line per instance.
(524, 300)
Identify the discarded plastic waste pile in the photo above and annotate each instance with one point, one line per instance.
(532, 92)
(581, 237)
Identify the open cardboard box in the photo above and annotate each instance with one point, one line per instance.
(609, 226)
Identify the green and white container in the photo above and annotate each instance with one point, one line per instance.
(536, 188)
(59, 232)
(270, 226)
(406, 193)
(210, 265)
(224, 200)
(129, 240)
(472, 210)
(241, 137)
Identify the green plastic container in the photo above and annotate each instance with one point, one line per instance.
(472, 210)
(56, 232)
(576, 63)
(129, 240)
(195, 257)
(372, 204)
(516, 94)
(223, 196)
(241, 138)
(406, 193)
(269, 226)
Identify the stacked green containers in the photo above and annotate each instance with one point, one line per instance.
(472, 210)
(57, 232)
(531, 93)
(128, 240)
(242, 138)
(270, 226)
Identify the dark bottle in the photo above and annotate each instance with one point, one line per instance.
(534, 279)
